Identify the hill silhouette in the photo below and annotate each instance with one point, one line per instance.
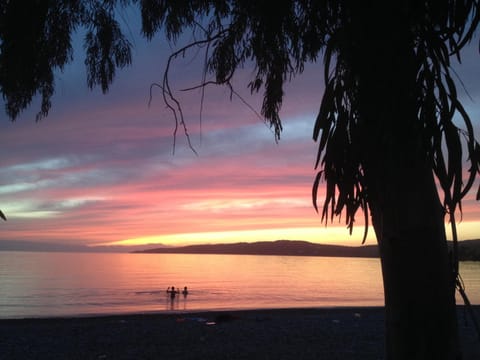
(279, 247)
(468, 250)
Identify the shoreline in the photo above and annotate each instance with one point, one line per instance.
(187, 312)
(289, 333)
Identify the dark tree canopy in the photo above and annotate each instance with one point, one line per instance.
(36, 41)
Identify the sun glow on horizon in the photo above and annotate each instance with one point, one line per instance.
(334, 235)
(324, 235)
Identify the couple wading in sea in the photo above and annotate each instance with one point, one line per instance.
(173, 292)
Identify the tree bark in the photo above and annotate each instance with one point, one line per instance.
(407, 214)
(417, 276)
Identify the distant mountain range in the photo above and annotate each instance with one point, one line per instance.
(468, 249)
(13, 245)
(279, 247)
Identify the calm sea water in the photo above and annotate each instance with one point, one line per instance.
(72, 284)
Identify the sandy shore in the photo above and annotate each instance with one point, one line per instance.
(339, 333)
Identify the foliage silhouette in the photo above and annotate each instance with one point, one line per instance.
(385, 124)
(36, 41)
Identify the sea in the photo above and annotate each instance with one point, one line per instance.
(43, 284)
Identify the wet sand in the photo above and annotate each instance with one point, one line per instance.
(337, 333)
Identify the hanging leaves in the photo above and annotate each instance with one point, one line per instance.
(438, 33)
(107, 49)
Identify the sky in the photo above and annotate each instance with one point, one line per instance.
(103, 168)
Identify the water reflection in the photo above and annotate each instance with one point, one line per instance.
(177, 303)
(46, 284)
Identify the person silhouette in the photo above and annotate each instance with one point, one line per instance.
(172, 292)
(185, 292)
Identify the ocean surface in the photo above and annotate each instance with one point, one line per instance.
(35, 284)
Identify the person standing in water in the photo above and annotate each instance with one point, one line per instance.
(172, 292)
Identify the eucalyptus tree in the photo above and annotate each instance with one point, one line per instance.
(386, 127)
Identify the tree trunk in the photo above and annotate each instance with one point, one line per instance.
(418, 283)
(406, 211)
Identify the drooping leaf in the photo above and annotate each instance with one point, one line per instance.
(316, 184)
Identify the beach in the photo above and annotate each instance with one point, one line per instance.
(323, 333)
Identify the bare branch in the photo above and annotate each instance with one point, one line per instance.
(169, 98)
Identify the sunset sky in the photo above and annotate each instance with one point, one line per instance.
(100, 169)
